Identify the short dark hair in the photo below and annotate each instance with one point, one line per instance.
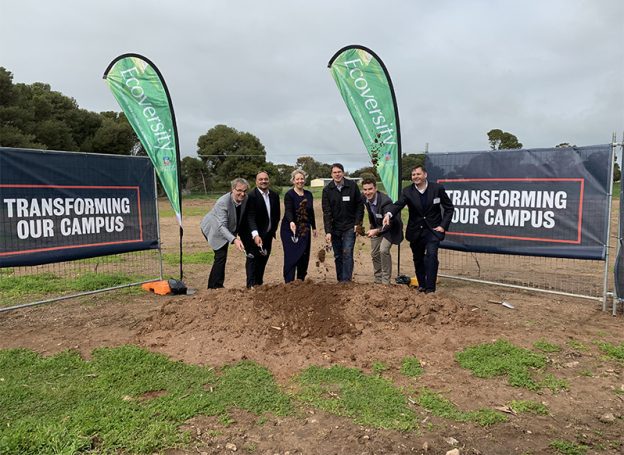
(338, 165)
(369, 181)
(421, 166)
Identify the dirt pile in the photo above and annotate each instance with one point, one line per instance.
(302, 310)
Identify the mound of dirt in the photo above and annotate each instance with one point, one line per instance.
(301, 310)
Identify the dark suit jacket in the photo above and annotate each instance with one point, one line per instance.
(439, 210)
(257, 218)
(395, 233)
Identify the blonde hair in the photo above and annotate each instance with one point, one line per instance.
(295, 172)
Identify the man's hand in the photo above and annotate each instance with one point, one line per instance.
(372, 233)
(328, 237)
(258, 241)
(238, 244)
(439, 229)
(386, 220)
(293, 227)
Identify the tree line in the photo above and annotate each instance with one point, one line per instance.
(35, 116)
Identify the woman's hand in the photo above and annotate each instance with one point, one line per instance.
(293, 227)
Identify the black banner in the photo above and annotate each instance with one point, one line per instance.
(541, 202)
(61, 206)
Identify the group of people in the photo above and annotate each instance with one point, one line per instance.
(250, 222)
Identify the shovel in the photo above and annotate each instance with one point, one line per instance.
(503, 303)
(248, 255)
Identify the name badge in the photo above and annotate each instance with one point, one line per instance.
(436, 200)
(346, 198)
(378, 215)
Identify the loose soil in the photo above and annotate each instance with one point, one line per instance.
(320, 322)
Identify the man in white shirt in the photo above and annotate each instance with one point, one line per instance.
(258, 228)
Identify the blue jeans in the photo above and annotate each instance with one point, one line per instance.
(343, 243)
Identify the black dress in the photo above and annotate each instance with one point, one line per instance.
(299, 209)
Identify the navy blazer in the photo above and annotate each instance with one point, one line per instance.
(395, 233)
(438, 210)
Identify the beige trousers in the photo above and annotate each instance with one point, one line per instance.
(382, 261)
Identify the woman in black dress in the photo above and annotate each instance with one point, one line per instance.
(298, 226)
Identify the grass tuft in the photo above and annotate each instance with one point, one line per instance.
(612, 351)
(545, 346)
(502, 358)
(411, 367)
(524, 406)
(568, 448)
(369, 400)
(442, 407)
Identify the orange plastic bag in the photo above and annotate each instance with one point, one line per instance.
(157, 287)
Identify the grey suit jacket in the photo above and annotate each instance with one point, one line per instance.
(219, 225)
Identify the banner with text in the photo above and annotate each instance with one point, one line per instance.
(539, 202)
(61, 206)
(367, 90)
(142, 94)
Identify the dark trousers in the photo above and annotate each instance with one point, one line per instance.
(255, 267)
(425, 255)
(342, 244)
(300, 267)
(217, 273)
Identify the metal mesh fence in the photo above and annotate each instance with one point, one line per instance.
(570, 276)
(21, 286)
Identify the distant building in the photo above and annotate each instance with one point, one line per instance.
(324, 181)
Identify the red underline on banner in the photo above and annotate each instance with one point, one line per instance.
(24, 185)
(69, 247)
(117, 187)
(537, 239)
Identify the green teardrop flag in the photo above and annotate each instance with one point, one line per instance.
(140, 90)
(367, 90)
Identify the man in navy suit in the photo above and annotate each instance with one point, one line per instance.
(430, 213)
(258, 228)
(382, 239)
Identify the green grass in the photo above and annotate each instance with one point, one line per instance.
(46, 284)
(502, 358)
(411, 367)
(379, 367)
(576, 345)
(612, 351)
(568, 448)
(124, 400)
(200, 257)
(186, 211)
(545, 346)
(528, 406)
(441, 407)
(554, 384)
(367, 399)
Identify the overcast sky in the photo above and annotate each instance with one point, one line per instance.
(548, 71)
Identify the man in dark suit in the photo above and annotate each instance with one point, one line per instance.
(258, 229)
(430, 213)
(382, 238)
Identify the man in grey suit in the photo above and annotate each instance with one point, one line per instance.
(220, 226)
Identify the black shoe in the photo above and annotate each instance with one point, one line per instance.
(429, 291)
(421, 289)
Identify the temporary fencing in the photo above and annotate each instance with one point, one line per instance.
(74, 224)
